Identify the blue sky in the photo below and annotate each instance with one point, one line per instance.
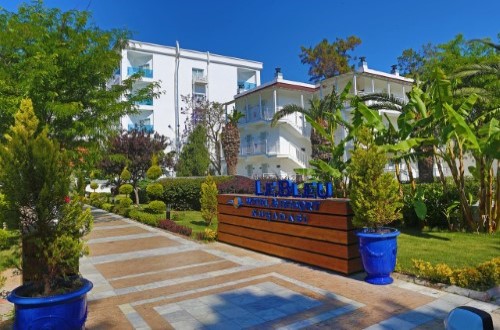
(272, 31)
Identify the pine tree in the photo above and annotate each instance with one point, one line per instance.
(208, 200)
(374, 193)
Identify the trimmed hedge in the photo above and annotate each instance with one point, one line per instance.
(156, 207)
(184, 193)
(437, 199)
(175, 228)
(144, 217)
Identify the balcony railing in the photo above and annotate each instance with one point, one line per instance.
(147, 73)
(141, 128)
(200, 79)
(270, 149)
(244, 85)
(145, 102)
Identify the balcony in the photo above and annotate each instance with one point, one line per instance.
(255, 114)
(147, 73)
(149, 129)
(273, 149)
(244, 86)
(145, 102)
(200, 79)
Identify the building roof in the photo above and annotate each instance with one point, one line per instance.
(192, 54)
(279, 82)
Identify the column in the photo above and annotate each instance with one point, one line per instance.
(373, 85)
(354, 85)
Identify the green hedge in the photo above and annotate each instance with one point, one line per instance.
(144, 217)
(183, 194)
(437, 199)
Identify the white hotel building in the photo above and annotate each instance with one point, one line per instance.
(264, 150)
(276, 152)
(181, 72)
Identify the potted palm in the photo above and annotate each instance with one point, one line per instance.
(35, 178)
(376, 202)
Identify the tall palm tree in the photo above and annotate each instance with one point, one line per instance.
(230, 140)
(325, 112)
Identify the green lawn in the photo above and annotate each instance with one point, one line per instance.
(194, 220)
(452, 248)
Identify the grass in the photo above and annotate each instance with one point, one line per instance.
(455, 249)
(194, 220)
(191, 219)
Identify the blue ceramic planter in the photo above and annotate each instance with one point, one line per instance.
(62, 312)
(378, 253)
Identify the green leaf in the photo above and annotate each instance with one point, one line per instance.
(463, 130)
(420, 209)
(372, 117)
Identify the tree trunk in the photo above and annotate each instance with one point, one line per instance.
(136, 193)
(440, 168)
(459, 183)
(496, 211)
(410, 175)
(398, 176)
(426, 165)
(32, 263)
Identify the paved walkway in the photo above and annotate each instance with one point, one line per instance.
(145, 278)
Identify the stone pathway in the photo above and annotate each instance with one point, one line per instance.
(146, 278)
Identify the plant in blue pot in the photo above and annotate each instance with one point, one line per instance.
(376, 202)
(35, 177)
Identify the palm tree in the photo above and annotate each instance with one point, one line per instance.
(230, 140)
(325, 112)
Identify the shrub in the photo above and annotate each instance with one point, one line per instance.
(184, 193)
(7, 239)
(156, 207)
(125, 202)
(94, 186)
(107, 207)
(125, 175)
(146, 218)
(482, 277)
(175, 228)
(236, 185)
(155, 190)
(126, 189)
(208, 200)
(97, 199)
(438, 201)
(154, 172)
(207, 235)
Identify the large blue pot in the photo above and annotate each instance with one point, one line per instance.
(62, 312)
(378, 253)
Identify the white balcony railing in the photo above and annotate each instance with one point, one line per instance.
(200, 79)
(273, 149)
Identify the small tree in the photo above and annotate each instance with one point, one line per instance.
(35, 177)
(208, 200)
(230, 139)
(374, 194)
(94, 186)
(194, 159)
(135, 150)
(155, 189)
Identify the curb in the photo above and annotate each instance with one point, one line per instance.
(491, 296)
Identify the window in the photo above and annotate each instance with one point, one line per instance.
(199, 89)
(198, 73)
(249, 170)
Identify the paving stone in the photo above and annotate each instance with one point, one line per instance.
(258, 292)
